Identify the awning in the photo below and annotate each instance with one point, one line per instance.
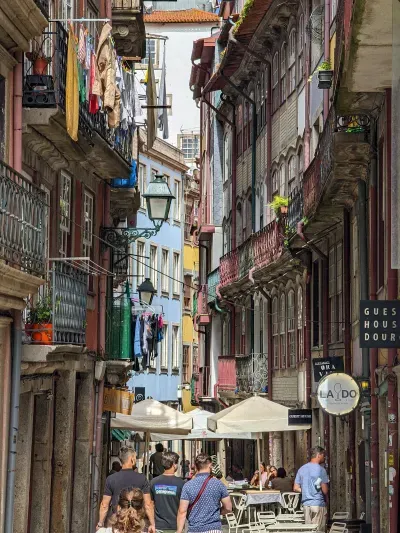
(120, 434)
(203, 53)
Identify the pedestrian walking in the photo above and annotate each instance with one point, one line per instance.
(156, 467)
(312, 481)
(115, 467)
(125, 478)
(201, 500)
(130, 514)
(166, 493)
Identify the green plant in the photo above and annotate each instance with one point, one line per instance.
(37, 54)
(245, 11)
(325, 65)
(278, 202)
(41, 311)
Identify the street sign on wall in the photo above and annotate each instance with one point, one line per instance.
(380, 324)
(140, 394)
(338, 394)
(327, 365)
(300, 417)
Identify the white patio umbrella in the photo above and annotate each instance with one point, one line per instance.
(149, 416)
(200, 430)
(256, 414)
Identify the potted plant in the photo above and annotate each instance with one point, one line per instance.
(325, 75)
(279, 205)
(39, 322)
(39, 61)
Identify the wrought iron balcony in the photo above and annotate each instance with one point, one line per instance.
(58, 314)
(226, 373)
(295, 209)
(43, 5)
(252, 373)
(341, 159)
(213, 281)
(22, 222)
(48, 90)
(228, 268)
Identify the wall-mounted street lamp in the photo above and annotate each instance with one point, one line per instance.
(158, 199)
(146, 291)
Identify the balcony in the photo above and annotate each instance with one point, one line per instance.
(22, 222)
(252, 258)
(203, 315)
(252, 374)
(57, 315)
(44, 101)
(341, 159)
(128, 28)
(226, 373)
(295, 209)
(213, 280)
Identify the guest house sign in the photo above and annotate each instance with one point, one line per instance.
(338, 394)
(380, 324)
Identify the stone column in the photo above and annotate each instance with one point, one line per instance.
(83, 449)
(41, 464)
(5, 384)
(288, 451)
(24, 456)
(63, 451)
(276, 449)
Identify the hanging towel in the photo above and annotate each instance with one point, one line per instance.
(72, 89)
(89, 49)
(138, 111)
(93, 98)
(82, 46)
(136, 344)
(151, 94)
(162, 100)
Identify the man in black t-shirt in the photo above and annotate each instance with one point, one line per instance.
(156, 467)
(125, 478)
(166, 493)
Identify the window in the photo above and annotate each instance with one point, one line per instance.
(291, 328)
(195, 361)
(245, 125)
(262, 206)
(92, 15)
(2, 116)
(300, 50)
(300, 164)
(46, 232)
(333, 9)
(142, 184)
(169, 102)
(300, 325)
(275, 332)
(187, 292)
(283, 71)
(261, 307)
(66, 10)
(336, 292)
(175, 347)
(87, 224)
(275, 84)
(282, 330)
(339, 290)
(140, 261)
(274, 182)
(185, 364)
(65, 214)
(227, 156)
(282, 180)
(165, 270)
(177, 201)
(292, 174)
(354, 267)
(190, 145)
(239, 126)
(151, 51)
(153, 266)
(164, 348)
(292, 61)
(176, 274)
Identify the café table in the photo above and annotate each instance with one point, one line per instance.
(256, 497)
(291, 527)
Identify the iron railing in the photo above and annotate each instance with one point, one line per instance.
(320, 169)
(49, 90)
(213, 281)
(43, 5)
(252, 373)
(22, 222)
(295, 209)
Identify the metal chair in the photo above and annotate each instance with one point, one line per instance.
(290, 501)
(239, 502)
(234, 526)
(338, 527)
(340, 515)
(266, 517)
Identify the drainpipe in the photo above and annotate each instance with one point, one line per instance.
(393, 448)
(373, 352)
(16, 346)
(327, 50)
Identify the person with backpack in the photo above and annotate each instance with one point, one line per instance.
(203, 500)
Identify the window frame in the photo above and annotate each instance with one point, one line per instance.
(283, 69)
(195, 148)
(186, 363)
(291, 328)
(65, 213)
(165, 269)
(153, 265)
(275, 331)
(282, 330)
(175, 347)
(142, 182)
(300, 324)
(176, 282)
(177, 201)
(275, 82)
(164, 359)
(88, 224)
(292, 60)
(140, 261)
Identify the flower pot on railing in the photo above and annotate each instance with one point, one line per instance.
(325, 78)
(39, 61)
(42, 333)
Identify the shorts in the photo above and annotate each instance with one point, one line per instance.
(313, 514)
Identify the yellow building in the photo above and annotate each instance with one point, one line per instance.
(191, 273)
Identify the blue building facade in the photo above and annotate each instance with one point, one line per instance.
(160, 258)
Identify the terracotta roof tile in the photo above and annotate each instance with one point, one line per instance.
(184, 16)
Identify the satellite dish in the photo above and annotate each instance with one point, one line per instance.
(315, 26)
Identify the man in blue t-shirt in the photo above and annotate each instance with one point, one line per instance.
(312, 481)
(205, 515)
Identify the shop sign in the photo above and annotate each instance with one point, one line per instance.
(140, 394)
(300, 417)
(118, 401)
(380, 324)
(338, 394)
(325, 366)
